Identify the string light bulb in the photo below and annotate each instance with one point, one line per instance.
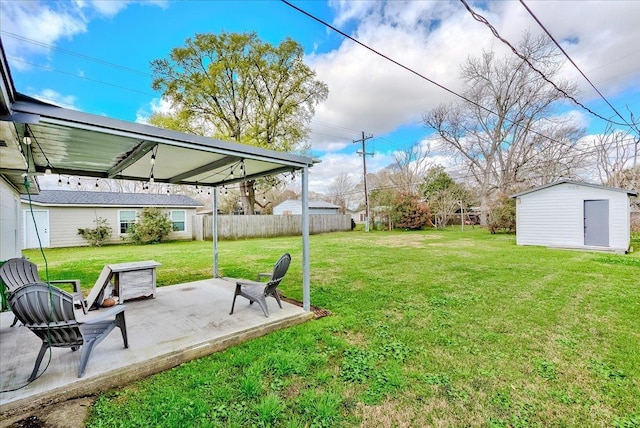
(153, 159)
(27, 137)
(59, 181)
(47, 170)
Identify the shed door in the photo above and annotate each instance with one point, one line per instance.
(596, 223)
(42, 225)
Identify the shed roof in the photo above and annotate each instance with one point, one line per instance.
(312, 204)
(83, 198)
(579, 183)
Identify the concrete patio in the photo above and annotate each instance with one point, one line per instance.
(183, 322)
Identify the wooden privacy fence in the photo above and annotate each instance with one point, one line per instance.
(262, 226)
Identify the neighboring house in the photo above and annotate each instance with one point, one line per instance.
(571, 214)
(358, 216)
(294, 207)
(59, 214)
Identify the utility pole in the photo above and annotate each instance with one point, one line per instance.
(364, 168)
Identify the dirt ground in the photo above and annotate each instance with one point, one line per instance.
(69, 414)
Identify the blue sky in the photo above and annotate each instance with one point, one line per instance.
(94, 56)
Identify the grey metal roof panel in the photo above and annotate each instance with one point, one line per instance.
(312, 204)
(579, 183)
(80, 198)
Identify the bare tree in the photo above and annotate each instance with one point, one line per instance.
(614, 153)
(409, 167)
(507, 135)
(340, 191)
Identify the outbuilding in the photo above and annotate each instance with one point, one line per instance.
(294, 207)
(571, 214)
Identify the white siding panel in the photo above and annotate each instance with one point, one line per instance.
(554, 216)
(64, 223)
(10, 230)
(289, 207)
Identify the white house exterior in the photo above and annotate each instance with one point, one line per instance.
(10, 242)
(571, 214)
(294, 207)
(59, 213)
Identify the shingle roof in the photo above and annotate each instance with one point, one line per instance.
(67, 197)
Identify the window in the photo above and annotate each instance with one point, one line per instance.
(126, 219)
(178, 220)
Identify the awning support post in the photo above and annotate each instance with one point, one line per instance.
(306, 289)
(215, 233)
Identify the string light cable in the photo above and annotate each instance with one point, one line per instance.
(27, 185)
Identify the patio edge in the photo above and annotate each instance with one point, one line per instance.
(127, 375)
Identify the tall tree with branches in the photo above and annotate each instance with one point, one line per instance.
(510, 133)
(236, 87)
(340, 190)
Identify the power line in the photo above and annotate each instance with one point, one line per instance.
(44, 67)
(495, 32)
(572, 62)
(76, 54)
(288, 3)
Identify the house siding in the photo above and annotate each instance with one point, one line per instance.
(64, 223)
(10, 238)
(554, 216)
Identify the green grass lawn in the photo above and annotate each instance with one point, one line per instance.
(431, 328)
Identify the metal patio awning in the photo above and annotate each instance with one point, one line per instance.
(70, 142)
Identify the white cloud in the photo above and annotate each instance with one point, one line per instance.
(434, 38)
(54, 97)
(33, 26)
(333, 164)
(30, 24)
(157, 105)
(370, 93)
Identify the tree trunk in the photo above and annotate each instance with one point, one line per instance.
(248, 197)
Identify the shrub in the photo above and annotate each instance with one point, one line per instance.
(409, 213)
(502, 215)
(151, 228)
(98, 235)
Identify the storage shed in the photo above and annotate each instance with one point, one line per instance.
(294, 207)
(571, 214)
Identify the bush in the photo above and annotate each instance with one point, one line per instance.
(151, 228)
(98, 235)
(409, 213)
(502, 215)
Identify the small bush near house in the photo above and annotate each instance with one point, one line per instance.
(502, 216)
(97, 235)
(152, 227)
